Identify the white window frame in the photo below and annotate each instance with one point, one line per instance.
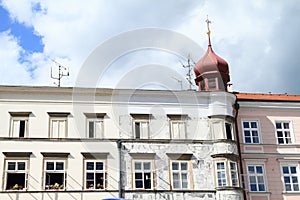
(250, 129)
(180, 173)
(143, 171)
(64, 171)
(283, 130)
(12, 127)
(95, 185)
(16, 171)
(231, 177)
(290, 176)
(180, 135)
(60, 120)
(256, 175)
(95, 133)
(142, 135)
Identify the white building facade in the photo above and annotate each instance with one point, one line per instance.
(87, 143)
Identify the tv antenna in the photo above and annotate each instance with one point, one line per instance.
(189, 66)
(179, 81)
(62, 71)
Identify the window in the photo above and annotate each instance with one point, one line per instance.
(256, 178)
(18, 127)
(283, 132)
(250, 130)
(290, 178)
(180, 174)
(58, 124)
(140, 126)
(221, 174)
(95, 125)
(227, 173)
(95, 176)
(228, 130)
(141, 129)
(16, 175)
(212, 83)
(142, 175)
(178, 129)
(95, 128)
(19, 124)
(55, 174)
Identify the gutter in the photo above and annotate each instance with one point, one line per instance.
(237, 107)
(121, 193)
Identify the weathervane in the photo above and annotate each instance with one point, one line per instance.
(208, 30)
(61, 74)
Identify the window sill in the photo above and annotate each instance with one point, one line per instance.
(291, 193)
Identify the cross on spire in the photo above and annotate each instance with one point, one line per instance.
(208, 30)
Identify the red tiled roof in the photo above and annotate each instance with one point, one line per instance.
(267, 97)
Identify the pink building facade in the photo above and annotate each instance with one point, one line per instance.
(269, 136)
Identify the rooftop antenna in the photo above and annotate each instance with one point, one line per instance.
(179, 81)
(189, 66)
(62, 71)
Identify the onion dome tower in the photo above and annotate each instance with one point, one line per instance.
(211, 71)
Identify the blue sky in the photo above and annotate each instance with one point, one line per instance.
(259, 39)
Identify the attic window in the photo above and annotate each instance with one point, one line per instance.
(212, 83)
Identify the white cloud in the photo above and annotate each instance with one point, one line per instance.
(245, 33)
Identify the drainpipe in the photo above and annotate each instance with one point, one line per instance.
(236, 107)
(119, 144)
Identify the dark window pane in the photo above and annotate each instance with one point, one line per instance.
(90, 165)
(13, 179)
(59, 166)
(285, 170)
(138, 184)
(247, 133)
(137, 130)
(259, 169)
(175, 166)
(248, 140)
(246, 124)
(138, 176)
(261, 187)
(253, 125)
(91, 129)
(99, 165)
(22, 128)
(50, 166)
(90, 176)
(21, 165)
(11, 166)
(293, 170)
(280, 141)
(286, 125)
(228, 131)
(279, 134)
(278, 125)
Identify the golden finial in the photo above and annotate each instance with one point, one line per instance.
(208, 30)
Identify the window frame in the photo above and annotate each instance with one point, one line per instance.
(94, 171)
(256, 175)
(16, 171)
(142, 171)
(251, 129)
(289, 165)
(45, 171)
(228, 172)
(172, 121)
(93, 119)
(180, 172)
(19, 119)
(140, 129)
(283, 129)
(60, 119)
